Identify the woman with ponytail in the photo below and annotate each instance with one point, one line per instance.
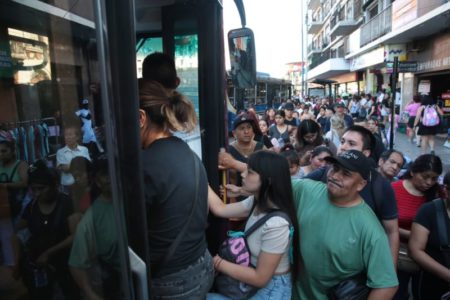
(176, 194)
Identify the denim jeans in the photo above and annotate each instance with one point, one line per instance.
(278, 288)
(192, 282)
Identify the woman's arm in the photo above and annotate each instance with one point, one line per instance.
(419, 113)
(417, 244)
(220, 209)
(258, 277)
(439, 110)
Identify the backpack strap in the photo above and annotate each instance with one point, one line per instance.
(260, 222)
(441, 215)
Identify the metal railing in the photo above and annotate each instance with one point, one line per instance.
(377, 27)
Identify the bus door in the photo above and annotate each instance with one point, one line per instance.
(68, 120)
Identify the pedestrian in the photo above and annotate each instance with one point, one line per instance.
(418, 186)
(264, 128)
(428, 249)
(428, 120)
(176, 184)
(279, 133)
(267, 179)
(390, 164)
(340, 236)
(411, 108)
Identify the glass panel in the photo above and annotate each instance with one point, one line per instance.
(186, 62)
(59, 236)
(144, 47)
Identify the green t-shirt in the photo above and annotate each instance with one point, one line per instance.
(337, 243)
(96, 237)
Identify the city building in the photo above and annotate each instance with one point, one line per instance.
(352, 44)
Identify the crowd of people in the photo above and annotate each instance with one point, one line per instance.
(322, 203)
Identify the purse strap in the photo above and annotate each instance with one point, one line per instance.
(260, 222)
(441, 215)
(173, 246)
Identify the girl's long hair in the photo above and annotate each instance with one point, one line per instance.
(305, 127)
(276, 188)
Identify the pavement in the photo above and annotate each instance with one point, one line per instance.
(410, 150)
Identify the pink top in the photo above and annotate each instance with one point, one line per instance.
(412, 108)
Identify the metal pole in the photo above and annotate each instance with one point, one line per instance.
(303, 50)
(394, 87)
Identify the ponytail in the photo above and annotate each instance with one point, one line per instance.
(165, 107)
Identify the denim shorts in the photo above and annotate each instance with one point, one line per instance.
(192, 282)
(278, 288)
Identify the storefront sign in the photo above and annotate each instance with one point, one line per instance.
(369, 59)
(424, 87)
(434, 56)
(407, 66)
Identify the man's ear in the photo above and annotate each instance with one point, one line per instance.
(177, 81)
(361, 185)
(142, 118)
(366, 152)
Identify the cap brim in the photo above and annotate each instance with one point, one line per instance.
(341, 162)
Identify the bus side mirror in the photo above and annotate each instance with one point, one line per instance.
(241, 44)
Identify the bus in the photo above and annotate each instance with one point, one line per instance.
(54, 55)
(268, 92)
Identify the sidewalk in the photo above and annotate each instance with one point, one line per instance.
(412, 151)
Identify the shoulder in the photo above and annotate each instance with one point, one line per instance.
(301, 185)
(425, 215)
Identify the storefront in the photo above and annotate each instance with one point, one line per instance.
(350, 83)
(433, 69)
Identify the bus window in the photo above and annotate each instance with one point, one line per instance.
(62, 228)
(144, 47)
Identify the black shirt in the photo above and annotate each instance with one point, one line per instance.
(427, 216)
(48, 230)
(385, 208)
(169, 183)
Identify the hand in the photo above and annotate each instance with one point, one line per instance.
(42, 260)
(226, 161)
(233, 191)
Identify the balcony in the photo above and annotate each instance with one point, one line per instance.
(315, 26)
(380, 25)
(314, 4)
(314, 49)
(325, 67)
(345, 27)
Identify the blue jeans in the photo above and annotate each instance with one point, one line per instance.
(278, 288)
(192, 282)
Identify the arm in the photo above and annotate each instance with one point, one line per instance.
(392, 231)
(419, 113)
(61, 162)
(382, 294)
(439, 110)
(226, 161)
(82, 279)
(417, 244)
(258, 277)
(220, 209)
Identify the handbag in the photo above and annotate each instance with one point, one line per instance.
(353, 288)
(405, 262)
(235, 249)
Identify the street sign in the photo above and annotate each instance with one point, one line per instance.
(407, 66)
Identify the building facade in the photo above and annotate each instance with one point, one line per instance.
(353, 42)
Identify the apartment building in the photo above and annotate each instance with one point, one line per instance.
(352, 42)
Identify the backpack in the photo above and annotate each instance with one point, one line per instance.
(235, 249)
(430, 116)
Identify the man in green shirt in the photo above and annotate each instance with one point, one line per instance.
(340, 235)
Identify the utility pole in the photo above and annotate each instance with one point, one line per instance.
(304, 18)
(394, 92)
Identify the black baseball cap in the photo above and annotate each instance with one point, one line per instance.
(289, 106)
(354, 161)
(242, 118)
